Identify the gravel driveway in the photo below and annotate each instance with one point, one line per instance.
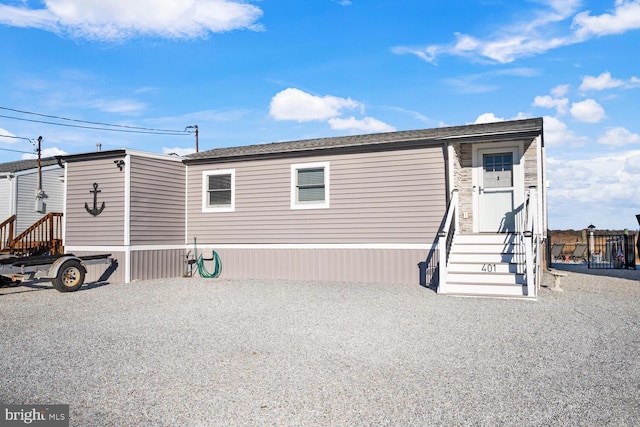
(196, 352)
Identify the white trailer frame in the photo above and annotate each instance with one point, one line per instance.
(66, 272)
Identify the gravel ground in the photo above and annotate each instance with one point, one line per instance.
(196, 352)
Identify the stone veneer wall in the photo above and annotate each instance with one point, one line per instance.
(530, 164)
(463, 177)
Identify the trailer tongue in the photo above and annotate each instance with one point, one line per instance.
(66, 272)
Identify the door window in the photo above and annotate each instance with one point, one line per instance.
(498, 170)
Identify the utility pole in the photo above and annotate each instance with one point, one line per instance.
(196, 130)
(39, 195)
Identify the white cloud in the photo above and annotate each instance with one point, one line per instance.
(605, 81)
(510, 42)
(119, 106)
(625, 17)
(554, 131)
(368, 124)
(427, 54)
(560, 91)
(178, 150)
(543, 30)
(546, 101)
(6, 133)
(114, 20)
(594, 190)
(492, 118)
(47, 152)
(587, 111)
(618, 137)
(632, 165)
(508, 49)
(488, 118)
(556, 134)
(294, 104)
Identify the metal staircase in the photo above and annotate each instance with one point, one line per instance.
(486, 265)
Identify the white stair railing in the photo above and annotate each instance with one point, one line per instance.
(530, 240)
(445, 240)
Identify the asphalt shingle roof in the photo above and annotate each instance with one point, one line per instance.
(435, 134)
(22, 165)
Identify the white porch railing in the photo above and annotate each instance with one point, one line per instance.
(530, 238)
(445, 240)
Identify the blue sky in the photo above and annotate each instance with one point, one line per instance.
(249, 72)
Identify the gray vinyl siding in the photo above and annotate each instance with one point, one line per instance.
(83, 229)
(27, 184)
(397, 266)
(53, 187)
(145, 265)
(157, 201)
(376, 197)
(104, 273)
(158, 264)
(6, 195)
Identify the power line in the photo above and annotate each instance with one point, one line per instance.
(17, 137)
(16, 151)
(132, 129)
(119, 128)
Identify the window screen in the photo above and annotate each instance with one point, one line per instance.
(219, 190)
(311, 185)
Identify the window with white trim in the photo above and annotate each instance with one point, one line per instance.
(310, 185)
(218, 190)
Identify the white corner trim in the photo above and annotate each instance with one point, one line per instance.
(64, 205)
(186, 203)
(127, 199)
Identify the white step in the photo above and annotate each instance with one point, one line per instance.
(485, 247)
(487, 238)
(486, 278)
(486, 290)
(486, 264)
(483, 258)
(483, 268)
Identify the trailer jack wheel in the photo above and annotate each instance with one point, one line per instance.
(70, 276)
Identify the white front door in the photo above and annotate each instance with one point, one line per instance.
(498, 189)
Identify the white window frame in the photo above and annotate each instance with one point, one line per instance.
(295, 204)
(205, 191)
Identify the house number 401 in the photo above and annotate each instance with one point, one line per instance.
(489, 268)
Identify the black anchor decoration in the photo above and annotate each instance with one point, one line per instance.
(95, 211)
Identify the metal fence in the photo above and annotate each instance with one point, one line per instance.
(605, 250)
(600, 250)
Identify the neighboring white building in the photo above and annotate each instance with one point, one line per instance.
(19, 187)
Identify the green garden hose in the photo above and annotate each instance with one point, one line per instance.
(202, 269)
